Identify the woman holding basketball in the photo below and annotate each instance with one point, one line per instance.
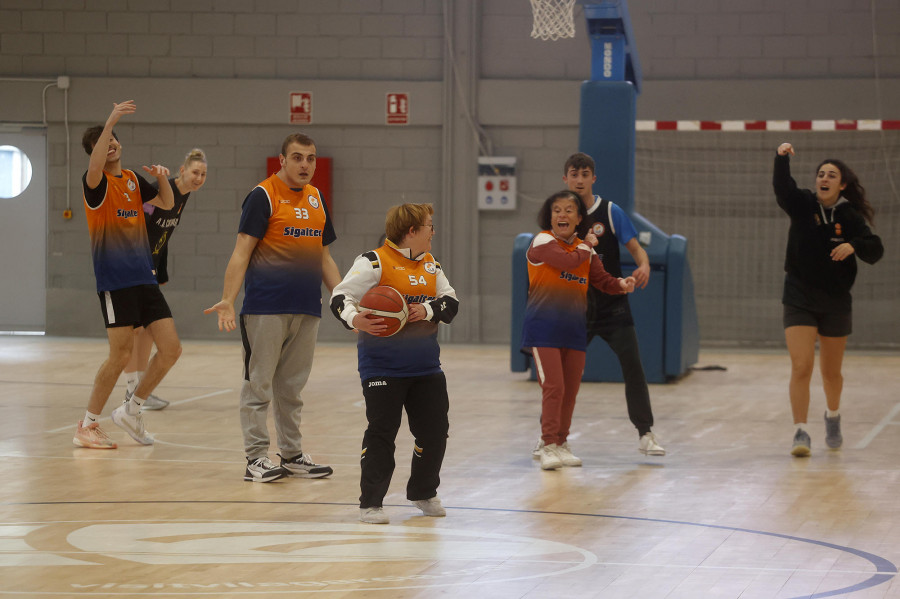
(560, 268)
(402, 370)
(828, 230)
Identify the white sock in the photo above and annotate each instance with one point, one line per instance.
(800, 426)
(89, 419)
(133, 406)
(832, 413)
(132, 379)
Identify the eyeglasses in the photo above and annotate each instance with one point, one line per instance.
(430, 225)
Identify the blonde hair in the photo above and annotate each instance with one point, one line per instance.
(195, 155)
(400, 219)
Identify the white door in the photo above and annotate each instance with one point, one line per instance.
(23, 228)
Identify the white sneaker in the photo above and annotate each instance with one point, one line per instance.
(431, 507)
(133, 425)
(550, 458)
(262, 470)
(373, 515)
(536, 452)
(567, 457)
(650, 446)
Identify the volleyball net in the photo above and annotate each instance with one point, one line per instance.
(712, 183)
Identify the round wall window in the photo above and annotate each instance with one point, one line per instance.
(15, 171)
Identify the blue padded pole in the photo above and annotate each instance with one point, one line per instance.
(519, 362)
(606, 133)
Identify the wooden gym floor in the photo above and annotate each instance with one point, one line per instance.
(727, 513)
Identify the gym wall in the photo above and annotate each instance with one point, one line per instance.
(217, 74)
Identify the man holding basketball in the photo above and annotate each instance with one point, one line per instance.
(282, 258)
(401, 370)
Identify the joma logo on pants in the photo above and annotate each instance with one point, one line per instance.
(377, 383)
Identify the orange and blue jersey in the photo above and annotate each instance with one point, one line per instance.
(559, 273)
(293, 227)
(115, 217)
(414, 350)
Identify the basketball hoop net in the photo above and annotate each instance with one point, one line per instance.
(553, 19)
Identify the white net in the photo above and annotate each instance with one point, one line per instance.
(715, 188)
(553, 19)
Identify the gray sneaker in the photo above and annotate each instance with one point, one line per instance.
(801, 444)
(302, 466)
(154, 403)
(833, 437)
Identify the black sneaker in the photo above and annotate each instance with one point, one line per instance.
(262, 470)
(302, 466)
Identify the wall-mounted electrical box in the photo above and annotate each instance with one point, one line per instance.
(496, 183)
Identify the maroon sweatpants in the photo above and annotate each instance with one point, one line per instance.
(559, 371)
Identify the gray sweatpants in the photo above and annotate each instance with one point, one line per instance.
(278, 355)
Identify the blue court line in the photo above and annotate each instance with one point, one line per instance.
(885, 569)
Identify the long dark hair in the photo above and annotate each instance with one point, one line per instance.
(543, 218)
(854, 191)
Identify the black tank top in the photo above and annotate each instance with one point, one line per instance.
(606, 312)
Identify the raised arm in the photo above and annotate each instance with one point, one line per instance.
(101, 148)
(164, 199)
(786, 190)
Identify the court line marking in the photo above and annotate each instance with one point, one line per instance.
(174, 403)
(76, 553)
(885, 570)
(876, 430)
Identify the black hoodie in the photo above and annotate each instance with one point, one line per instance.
(814, 281)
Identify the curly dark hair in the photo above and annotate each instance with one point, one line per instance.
(543, 218)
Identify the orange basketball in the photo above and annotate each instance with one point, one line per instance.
(387, 303)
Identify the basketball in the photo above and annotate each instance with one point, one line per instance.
(387, 303)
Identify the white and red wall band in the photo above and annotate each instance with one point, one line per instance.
(813, 125)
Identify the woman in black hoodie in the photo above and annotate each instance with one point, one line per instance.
(828, 230)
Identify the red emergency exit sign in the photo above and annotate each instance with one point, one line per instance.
(397, 109)
(301, 107)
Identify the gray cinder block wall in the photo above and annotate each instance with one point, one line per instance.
(217, 74)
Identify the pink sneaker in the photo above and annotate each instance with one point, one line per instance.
(92, 436)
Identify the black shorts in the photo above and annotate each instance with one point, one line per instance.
(133, 306)
(828, 324)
